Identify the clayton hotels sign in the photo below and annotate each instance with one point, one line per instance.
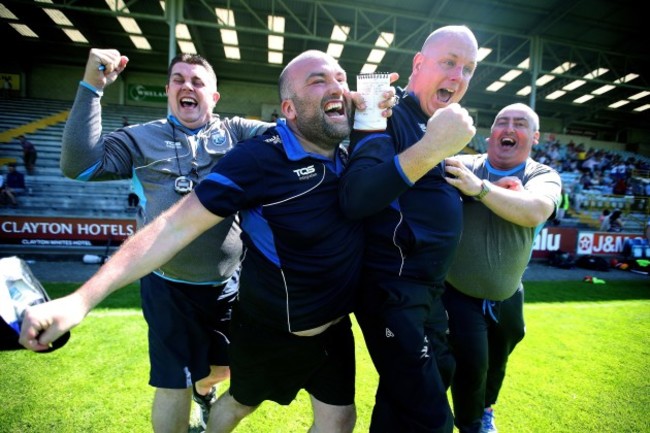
(43, 231)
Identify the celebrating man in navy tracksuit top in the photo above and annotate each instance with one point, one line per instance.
(290, 327)
(413, 221)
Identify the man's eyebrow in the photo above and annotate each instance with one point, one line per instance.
(516, 119)
(321, 74)
(315, 74)
(192, 78)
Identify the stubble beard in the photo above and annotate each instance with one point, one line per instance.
(322, 133)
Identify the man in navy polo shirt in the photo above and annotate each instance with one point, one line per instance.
(290, 328)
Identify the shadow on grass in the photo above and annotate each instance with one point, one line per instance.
(579, 291)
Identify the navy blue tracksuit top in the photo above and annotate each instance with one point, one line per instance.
(303, 256)
(412, 230)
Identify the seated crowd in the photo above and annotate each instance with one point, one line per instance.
(598, 174)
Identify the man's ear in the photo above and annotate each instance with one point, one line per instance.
(288, 109)
(216, 96)
(417, 61)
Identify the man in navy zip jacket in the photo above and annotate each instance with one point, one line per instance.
(290, 328)
(412, 217)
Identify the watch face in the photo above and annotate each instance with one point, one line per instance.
(183, 185)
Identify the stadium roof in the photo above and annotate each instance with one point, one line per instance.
(597, 42)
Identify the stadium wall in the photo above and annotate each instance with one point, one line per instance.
(60, 83)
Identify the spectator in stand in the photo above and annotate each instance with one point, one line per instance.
(620, 187)
(564, 205)
(133, 200)
(578, 196)
(592, 163)
(613, 222)
(15, 180)
(605, 214)
(556, 165)
(554, 152)
(616, 222)
(581, 153)
(6, 194)
(606, 182)
(29, 153)
(7, 87)
(585, 179)
(125, 121)
(596, 181)
(13, 185)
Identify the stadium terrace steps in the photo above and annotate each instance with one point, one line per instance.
(52, 194)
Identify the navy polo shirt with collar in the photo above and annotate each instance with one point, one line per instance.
(302, 255)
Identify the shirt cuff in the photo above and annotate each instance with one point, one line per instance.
(97, 92)
(400, 171)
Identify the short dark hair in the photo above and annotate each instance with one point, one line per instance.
(191, 59)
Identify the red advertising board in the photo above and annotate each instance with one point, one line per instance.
(603, 243)
(554, 239)
(44, 231)
(579, 243)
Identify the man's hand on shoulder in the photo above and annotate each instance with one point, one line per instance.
(510, 182)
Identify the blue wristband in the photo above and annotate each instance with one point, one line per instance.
(92, 88)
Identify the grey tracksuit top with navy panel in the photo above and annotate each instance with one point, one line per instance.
(147, 153)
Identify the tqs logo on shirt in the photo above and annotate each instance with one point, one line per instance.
(305, 173)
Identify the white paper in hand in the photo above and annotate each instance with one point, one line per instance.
(372, 87)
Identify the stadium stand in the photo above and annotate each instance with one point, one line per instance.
(587, 204)
(49, 192)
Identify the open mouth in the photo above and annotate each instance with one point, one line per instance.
(444, 95)
(334, 108)
(188, 102)
(507, 141)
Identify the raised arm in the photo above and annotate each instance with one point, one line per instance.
(82, 146)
